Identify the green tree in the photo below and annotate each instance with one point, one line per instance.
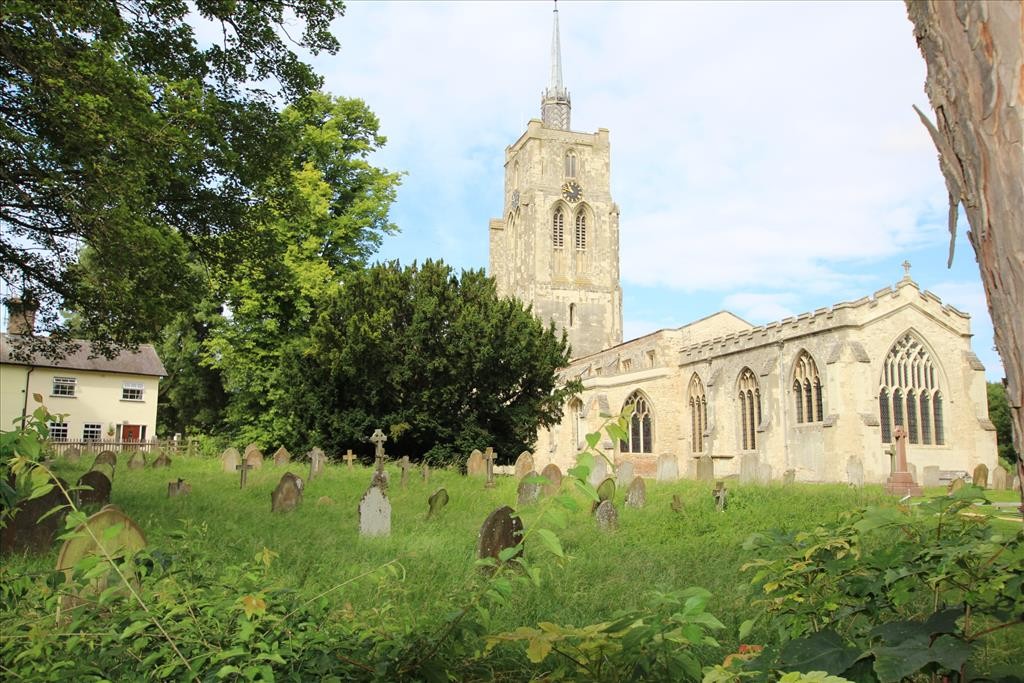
(439, 360)
(121, 134)
(999, 413)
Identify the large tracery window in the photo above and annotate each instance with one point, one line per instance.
(807, 390)
(640, 436)
(581, 231)
(558, 229)
(750, 409)
(698, 414)
(909, 394)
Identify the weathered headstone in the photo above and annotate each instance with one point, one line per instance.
(104, 468)
(349, 458)
(438, 499)
(282, 457)
(229, 460)
(636, 494)
(489, 456)
(502, 529)
(528, 492)
(324, 500)
(137, 461)
(980, 476)
(380, 479)
(254, 456)
(606, 490)
(375, 513)
(243, 471)
(1015, 485)
(955, 485)
(999, 478)
(599, 472)
(162, 460)
(25, 531)
(250, 448)
(748, 468)
(721, 496)
(73, 455)
(105, 458)
(405, 465)
(624, 474)
(902, 480)
(524, 464)
(930, 476)
(554, 477)
(668, 467)
(912, 468)
(855, 470)
(677, 503)
(98, 491)
(425, 471)
(378, 439)
(764, 473)
(178, 488)
(789, 476)
(287, 495)
(316, 462)
(607, 516)
(475, 465)
(705, 468)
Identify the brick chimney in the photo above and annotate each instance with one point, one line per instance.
(21, 316)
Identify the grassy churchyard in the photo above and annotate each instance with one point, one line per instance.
(397, 594)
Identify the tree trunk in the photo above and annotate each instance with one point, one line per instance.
(975, 56)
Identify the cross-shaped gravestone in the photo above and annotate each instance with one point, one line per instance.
(900, 481)
(378, 439)
(721, 496)
(243, 467)
(349, 457)
(489, 457)
(406, 466)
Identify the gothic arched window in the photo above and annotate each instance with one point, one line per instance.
(807, 389)
(641, 430)
(558, 229)
(581, 231)
(750, 409)
(698, 414)
(909, 392)
(570, 164)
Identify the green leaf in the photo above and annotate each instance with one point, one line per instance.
(538, 649)
(587, 490)
(507, 554)
(745, 629)
(227, 670)
(551, 542)
(593, 438)
(616, 432)
(822, 651)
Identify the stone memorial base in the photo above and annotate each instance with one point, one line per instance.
(902, 484)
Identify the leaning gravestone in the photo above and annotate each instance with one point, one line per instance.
(25, 531)
(137, 461)
(162, 460)
(282, 457)
(524, 464)
(930, 476)
(554, 477)
(855, 471)
(599, 472)
(668, 467)
(789, 476)
(287, 495)
(980, 477)
(374, 513)
(437, 501)
(607, 516)
(502, 529)
(606, 490)
(955, 485)
(105, 458)
(677, 503)
(178, 488)
(98, 492)
(253, 457)
(748, 468)
(705, 468)
(229, 460)
(624, 474)
(764, 473)
(999, 479)
(721, 496)
(636, 495)
(528, 492)
(73, 455)
(475, 466)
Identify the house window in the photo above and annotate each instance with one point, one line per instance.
(807, 389)
(558, 229)
(641, 428)
(750, 409)
(58, 431)
(92, 431)
(698, 414)
(64, 386)
(581, 232)
(909, 394)
(131, 391)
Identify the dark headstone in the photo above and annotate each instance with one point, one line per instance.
(437, 501)
(178, 488)
(605, 491)
(528, 492)
(98, 492)
(721, 496)
(607, 516)
(162, 460)
(25, 532)
(636, 494)
(554, 477)
(380, 479)
(287, 495)
(282, 457)
(137, 461)
(502, 529)
(677, 503)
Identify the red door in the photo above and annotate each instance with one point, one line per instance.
(131, 432)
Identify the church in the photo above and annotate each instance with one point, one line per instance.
(818, 395)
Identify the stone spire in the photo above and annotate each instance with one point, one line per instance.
(555, 105)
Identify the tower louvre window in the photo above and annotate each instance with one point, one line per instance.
(570, 164)
(558, 229)
(581, 231)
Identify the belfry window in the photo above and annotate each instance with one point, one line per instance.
(640, 435)
(558, 229)
(581, 231)
(698, 414)
(909, 394)
(749, 396)
(570, 164)
(807, 390)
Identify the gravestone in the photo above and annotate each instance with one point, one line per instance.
(607, 516)
(554, 477)
(380, 479)
(73, 455)
(316, 462)
(178, 488)
(748, 468)
(25, 531)
(287, 495)
(98, 492)
(378, 439)
(789, 476)
(475, 465)
(912, 468)
(668, 467)
(405, 466)
(721, 496)
(930, 476)
(999, 479)
(599, 472)
(902, 480)
(677, 503)
(254, 457)
(349, 458)
(243, 471)
(425, 472)
(229, 460)
(606, 490)
(705, 468)
(108, 458)
(980, 476)
(528, 492)
(855, 470)
(104, 468)
(502, 529)
(955, 486)
(764, 473)
(282, 457)
(375, 513)
(636, 494)
(624, 474)
(1015, 485)
(524, 464)
(162, 460)
(137, 461)
(324, 500)
(438, 499)
(489, 456)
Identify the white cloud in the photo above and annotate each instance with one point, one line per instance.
(760, 308)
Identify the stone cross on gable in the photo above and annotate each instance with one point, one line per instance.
(243, 467)
(349, 457)
(378, 439)
(489, 457)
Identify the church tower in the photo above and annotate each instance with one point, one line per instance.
(557, 245)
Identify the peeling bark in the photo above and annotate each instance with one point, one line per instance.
(975, 55)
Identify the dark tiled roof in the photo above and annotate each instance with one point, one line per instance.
(144, 361)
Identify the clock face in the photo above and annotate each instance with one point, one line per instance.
(572, 192)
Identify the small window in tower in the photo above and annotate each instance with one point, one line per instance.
(581, 232)
(572, 315)
(570, 164)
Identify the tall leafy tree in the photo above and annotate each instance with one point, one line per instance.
(999, 413)
(119, 132)
(437, 359)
